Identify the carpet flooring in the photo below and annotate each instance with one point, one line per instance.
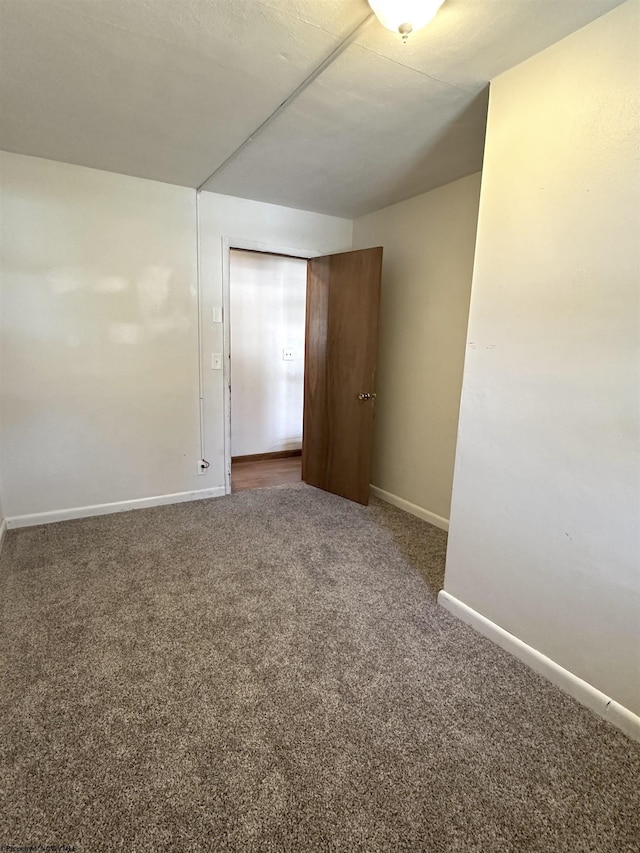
(270, 672)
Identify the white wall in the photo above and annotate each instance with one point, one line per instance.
(2, 525)
(426, 283)
(268, 309)
(239, 222)
(98, 337)
(544, 525)
(2, 520)
(99, 333)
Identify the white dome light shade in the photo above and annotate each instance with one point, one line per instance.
(405, 16)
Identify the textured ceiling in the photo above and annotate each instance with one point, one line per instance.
(168, 90)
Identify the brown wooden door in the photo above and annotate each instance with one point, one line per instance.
(343, 307)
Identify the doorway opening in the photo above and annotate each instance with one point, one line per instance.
(267, 316)
(335, 370)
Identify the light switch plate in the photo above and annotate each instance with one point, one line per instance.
(216, 361)
(217, 313)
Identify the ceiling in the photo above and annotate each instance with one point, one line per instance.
(169, 89)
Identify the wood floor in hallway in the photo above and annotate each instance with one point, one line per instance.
(267, 472)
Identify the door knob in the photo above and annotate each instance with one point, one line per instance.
(366, 396)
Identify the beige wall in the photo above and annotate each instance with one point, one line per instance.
(426, 281)
(544, 524)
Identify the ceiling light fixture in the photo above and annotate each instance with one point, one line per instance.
(405, 16)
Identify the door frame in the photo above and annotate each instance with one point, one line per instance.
(229, 243)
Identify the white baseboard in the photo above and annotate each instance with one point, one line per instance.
(3, 530)
(106, 509)
(582, 691)
(414, 509)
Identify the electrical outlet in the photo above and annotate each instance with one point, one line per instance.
(203, 465)
(287, 355)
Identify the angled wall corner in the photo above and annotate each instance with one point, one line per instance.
(544, 537)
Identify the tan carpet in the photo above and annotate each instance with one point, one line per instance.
(271, 672)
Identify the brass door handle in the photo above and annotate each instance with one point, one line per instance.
(366, 396)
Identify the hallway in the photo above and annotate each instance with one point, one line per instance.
(254, 474)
